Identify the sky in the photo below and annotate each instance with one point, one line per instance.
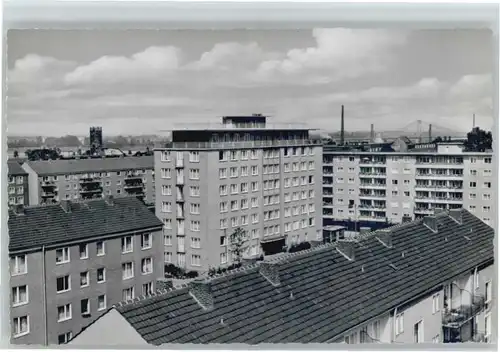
(144, 82)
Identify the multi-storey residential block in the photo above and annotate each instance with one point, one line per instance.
(69, 262)
(54, 180)
(18, 188)
(430, 280)
(244, 174)
(395, 186)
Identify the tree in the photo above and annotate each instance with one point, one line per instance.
(16, 154)
(238, 244)
(479, 140)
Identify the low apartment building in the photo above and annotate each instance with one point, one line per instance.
(18, 188)
(242, 173)
(424, 281)
(70, 261)
(79, 179)
(395, 186)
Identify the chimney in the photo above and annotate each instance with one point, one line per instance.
(18, 209)
(109, 200)
(347, 249)
(431, 222)
(430, 132)
(201, 291)
(342, 126)
(456, 214)
(372, 133)
(66, 205)
(164, 284)
(364, 230)
(385, 237)
(271, 272)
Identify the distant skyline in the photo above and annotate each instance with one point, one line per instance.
(144, 81)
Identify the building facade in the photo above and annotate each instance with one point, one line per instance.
(79, 179)
(18, 188)
(426, 281)
(244, 174)
(375, 186)
(70, 262)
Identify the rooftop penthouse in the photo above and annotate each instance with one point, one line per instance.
(240, 132)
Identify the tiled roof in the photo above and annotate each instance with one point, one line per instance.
(321, 294)
(72, 166)
(48, 225)
(15, 169)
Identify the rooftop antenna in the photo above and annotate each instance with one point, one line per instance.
(342, 126)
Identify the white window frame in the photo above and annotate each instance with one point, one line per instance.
(65, 252)
(67, 309)
(435, 303)
(15, 267)
(86, 255)
(69, 283)
(104, 275)
(87, 274)
(399, 324)
(124, 271)
(144, 264)
(104, 300)
(100, 254)
(87, 312)
(132, 291)
(16, 322)
(125, 248)
(16, 302)
(149, 244)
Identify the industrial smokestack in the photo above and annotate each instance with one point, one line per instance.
(342, 126)
(372, 133)
(473, 121)
(430, 132)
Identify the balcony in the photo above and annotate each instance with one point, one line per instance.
(374, 207)
(180, 179)
(133, 176)
(89, 180)
(456, 317)
(373, 185)
(328, 204)
(438, 187)
(372, 175)
(372, 195)
(372, 162)
(439, 176)
(48, 184)
(431, 199)
(48, 194)
(179, 163)
(88, 191)
(423, 211)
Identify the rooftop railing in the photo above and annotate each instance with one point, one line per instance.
(243, 144)
(243, 125)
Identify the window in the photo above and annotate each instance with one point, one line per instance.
(84, 279)
(165, 156)
(194, 208)
(146, 241)
(85, 306)
(195, 225)
(166, 173)
(147, 289)
(487, 293)
(101, 249)
(435, 303)
(476, 279)
(128, 294)
(146, 266)
(472, 184)
(195, 242)
(62, 255)
(167, 257)
(64, 338)
(64, 312)
(127, 244)
(487, 185)
(18, 265)
(19, 295)
(84, 251)
(487, 160)
(376, 330)
(194, 157)
(127, 270)
(101, 275)
(166, 190)
(223, 173)
(399, 326)
(194, 174)
(195, 260)
(194, 191)
(63, 284)
(223, 258)
(20, 326)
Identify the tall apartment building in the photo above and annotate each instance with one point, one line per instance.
(394, 186)
(427, 281)
(69, 262)
(79, 179)
(243, 173)
(18, 188)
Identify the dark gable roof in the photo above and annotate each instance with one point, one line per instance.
(15, 169)
(73, 166)
(49, 225)
(330, 294)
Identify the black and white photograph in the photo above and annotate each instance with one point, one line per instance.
(251, 186)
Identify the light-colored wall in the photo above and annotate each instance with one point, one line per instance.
(110, 330)
(33, 184)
